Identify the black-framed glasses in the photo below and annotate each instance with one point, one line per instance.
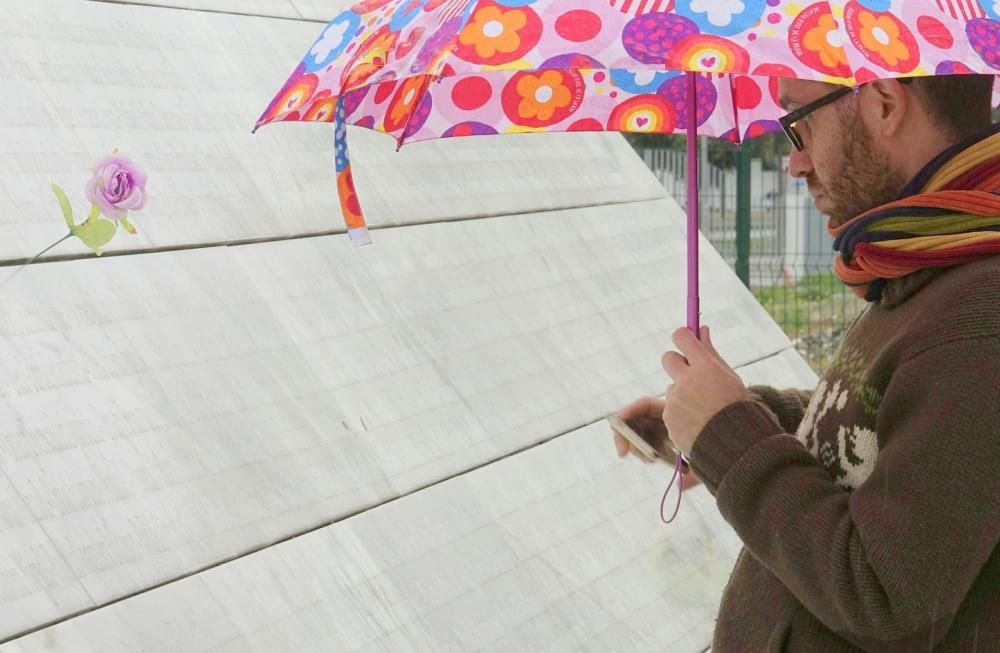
(788, 120)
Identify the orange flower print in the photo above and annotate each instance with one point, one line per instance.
(824, 40)
(409, 107)
(402, 103)
(541, 95)
(493, 30)
(881, 34)
(323, 109)
(497, 35)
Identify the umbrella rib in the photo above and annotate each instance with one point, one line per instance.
(425, 86)
(415, 107)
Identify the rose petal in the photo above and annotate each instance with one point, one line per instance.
(90, 190)
(138, 176)
(116, 160)
(134, 201)
(108, 175)
(102, 202)
(113, 212)
(120, 187)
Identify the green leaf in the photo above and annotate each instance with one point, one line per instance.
(95, 212)
(129, 227)
(65, 205)
(95, 233)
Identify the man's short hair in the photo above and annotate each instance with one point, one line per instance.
(961, 103)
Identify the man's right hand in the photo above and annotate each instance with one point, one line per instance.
(645, 417)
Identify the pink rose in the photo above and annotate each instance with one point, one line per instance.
(117, 187)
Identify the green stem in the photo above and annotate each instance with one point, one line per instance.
(33, 258)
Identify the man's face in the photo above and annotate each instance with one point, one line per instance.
(846, 171)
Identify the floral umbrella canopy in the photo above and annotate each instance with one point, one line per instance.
(424, 69)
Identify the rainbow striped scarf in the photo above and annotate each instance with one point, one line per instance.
(949, 214)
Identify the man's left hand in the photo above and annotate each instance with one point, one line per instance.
(703, 384)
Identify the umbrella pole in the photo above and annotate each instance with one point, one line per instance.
(692, 203)
(692, 258)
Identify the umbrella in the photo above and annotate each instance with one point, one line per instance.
(426, 69)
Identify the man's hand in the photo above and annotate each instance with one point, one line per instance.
(645, 417)
(703, 385)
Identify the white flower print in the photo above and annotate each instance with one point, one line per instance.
(720, 12)
(331, 40)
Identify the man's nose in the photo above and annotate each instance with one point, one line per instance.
(799, 164)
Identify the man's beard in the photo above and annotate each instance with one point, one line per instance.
(864, 178)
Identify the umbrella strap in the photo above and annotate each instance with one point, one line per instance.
(679, 466)
(350, 206)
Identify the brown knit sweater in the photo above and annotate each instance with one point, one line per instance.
(875, 526)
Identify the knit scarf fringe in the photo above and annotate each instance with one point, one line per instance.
(949, 214)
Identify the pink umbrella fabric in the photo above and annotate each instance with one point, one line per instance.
(425, 69)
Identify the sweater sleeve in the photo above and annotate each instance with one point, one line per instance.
(788, 405)
(888, 565)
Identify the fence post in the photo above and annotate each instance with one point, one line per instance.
(743, 215)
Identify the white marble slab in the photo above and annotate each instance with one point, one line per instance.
(263, 8)
(36, 583)
(558, 548)
(320, 10)
(171, 410)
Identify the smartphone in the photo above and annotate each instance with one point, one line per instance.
(646, 449)
(620, 427)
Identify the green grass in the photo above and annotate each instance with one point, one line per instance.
(813, 312)
(756, 245)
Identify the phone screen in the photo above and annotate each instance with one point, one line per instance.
(634, 438)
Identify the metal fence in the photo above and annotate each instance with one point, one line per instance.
(789, 267)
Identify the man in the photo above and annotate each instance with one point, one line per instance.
(869, 508)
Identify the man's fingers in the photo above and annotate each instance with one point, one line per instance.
(706, 340)
(621, 444)
(692, 351)
(690, 346)
(674, 365)
(645, 417)
(645, 407)
(623, 448)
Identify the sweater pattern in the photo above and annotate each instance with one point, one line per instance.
(846, 450)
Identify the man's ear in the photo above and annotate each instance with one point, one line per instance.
(888, 104)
